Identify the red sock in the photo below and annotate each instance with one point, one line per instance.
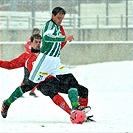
(59, 101)
(33, 90)
(83, 101)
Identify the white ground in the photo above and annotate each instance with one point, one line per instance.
(111, 98)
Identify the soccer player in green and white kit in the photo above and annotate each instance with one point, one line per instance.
(48, 63)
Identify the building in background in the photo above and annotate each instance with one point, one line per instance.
(89, 20)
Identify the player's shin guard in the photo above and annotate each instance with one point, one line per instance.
(59, 101)
(83, 101)
(15, 95)
(73, 97)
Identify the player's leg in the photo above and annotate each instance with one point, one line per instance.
(19, 91)
(60, 101)
(50, 88)
(68, 81)
(73, 97)
(83, 95)
(32, 92)
(6, 103)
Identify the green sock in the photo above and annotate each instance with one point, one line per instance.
(14, 96)
(73, 97)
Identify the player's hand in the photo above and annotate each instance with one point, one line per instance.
(69, 38)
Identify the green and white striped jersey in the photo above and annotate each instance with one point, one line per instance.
(51, 39)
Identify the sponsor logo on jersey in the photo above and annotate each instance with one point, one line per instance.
(43, 73)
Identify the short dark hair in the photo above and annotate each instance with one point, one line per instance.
(57, 10)
(35, 30)
(37, 36)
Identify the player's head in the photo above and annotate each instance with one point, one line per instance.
(58, 14)
(77, 117)
(35, 31)
(36, 41)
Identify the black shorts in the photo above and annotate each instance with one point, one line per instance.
(61, 84)
(28, 86)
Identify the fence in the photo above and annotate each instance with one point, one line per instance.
(98, 28)
(70, 22)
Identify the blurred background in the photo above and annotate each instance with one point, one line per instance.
(94, 24)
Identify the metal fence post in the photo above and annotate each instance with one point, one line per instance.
(97, 27)
(33, 13)
(126, 20)
(121, 27)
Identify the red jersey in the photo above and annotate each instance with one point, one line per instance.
(28, 45)
(25, 60)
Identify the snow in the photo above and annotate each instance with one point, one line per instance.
(110, 87)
